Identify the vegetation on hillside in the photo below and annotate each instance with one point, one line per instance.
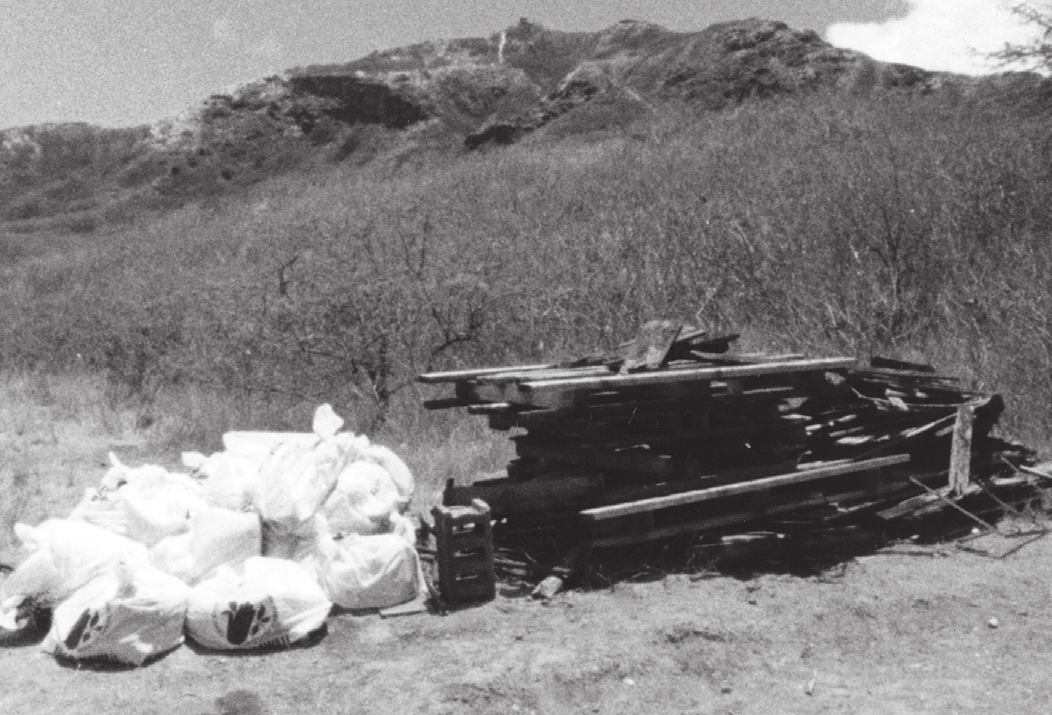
(854, 224)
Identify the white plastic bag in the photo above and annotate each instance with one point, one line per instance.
(377, 571)
(127, 615)
(363, 501)
(228, 479)
(266, 602)
(369, 491)
(298, 476)
(143, 503)
(216, 537)
(64, 555)
(396, 469)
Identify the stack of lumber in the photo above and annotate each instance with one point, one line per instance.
(675, 434)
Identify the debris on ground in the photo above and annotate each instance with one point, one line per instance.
(251, 549)
(676, 435)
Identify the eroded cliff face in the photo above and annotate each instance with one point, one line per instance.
(357, 100)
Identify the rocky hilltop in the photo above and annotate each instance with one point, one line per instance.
(453, 95)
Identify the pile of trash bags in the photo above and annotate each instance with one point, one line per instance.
(251, 548)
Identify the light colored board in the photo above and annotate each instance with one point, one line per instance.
(740, 517)
(729, 490)
(458, 375)
(551, 373)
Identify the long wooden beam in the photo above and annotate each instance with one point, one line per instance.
(728, 490)
(458, 375)
(668, 377)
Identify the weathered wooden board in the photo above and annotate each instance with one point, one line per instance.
(961, 450)
(755, 513)
(459, 375)
(806, 475)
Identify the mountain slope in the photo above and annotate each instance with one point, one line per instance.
(442, 96)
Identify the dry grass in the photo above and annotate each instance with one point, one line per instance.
(56, 430)
(915, 228)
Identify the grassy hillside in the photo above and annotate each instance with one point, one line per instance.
(853, 224)
(441, 97)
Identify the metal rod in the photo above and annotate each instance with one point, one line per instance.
(952, 503)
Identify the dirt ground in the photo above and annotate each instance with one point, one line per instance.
(906, 629)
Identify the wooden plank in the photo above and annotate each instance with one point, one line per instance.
(624, 410)
(627, 536)
(961, 450)
(489, 408)
(744, 358)
(533, 392)
(458, 375)
(553, 373)
(689, 525)
(609, 512)
(446, 403)
(650, 348)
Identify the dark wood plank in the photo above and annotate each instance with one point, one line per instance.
(658, 465)
(510, 496)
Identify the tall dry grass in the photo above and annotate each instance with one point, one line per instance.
(855, 225)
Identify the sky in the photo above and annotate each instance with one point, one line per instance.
(130, 62)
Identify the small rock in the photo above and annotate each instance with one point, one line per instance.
(628, 681)
(993, 623)
(726, 690)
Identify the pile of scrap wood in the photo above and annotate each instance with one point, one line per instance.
(675, 434)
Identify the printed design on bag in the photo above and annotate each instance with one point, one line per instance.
(244, 622)
(89, 625)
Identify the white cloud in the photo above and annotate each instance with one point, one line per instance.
(944, 35)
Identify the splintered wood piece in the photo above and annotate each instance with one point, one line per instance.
(650, 348)
(756, 485)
